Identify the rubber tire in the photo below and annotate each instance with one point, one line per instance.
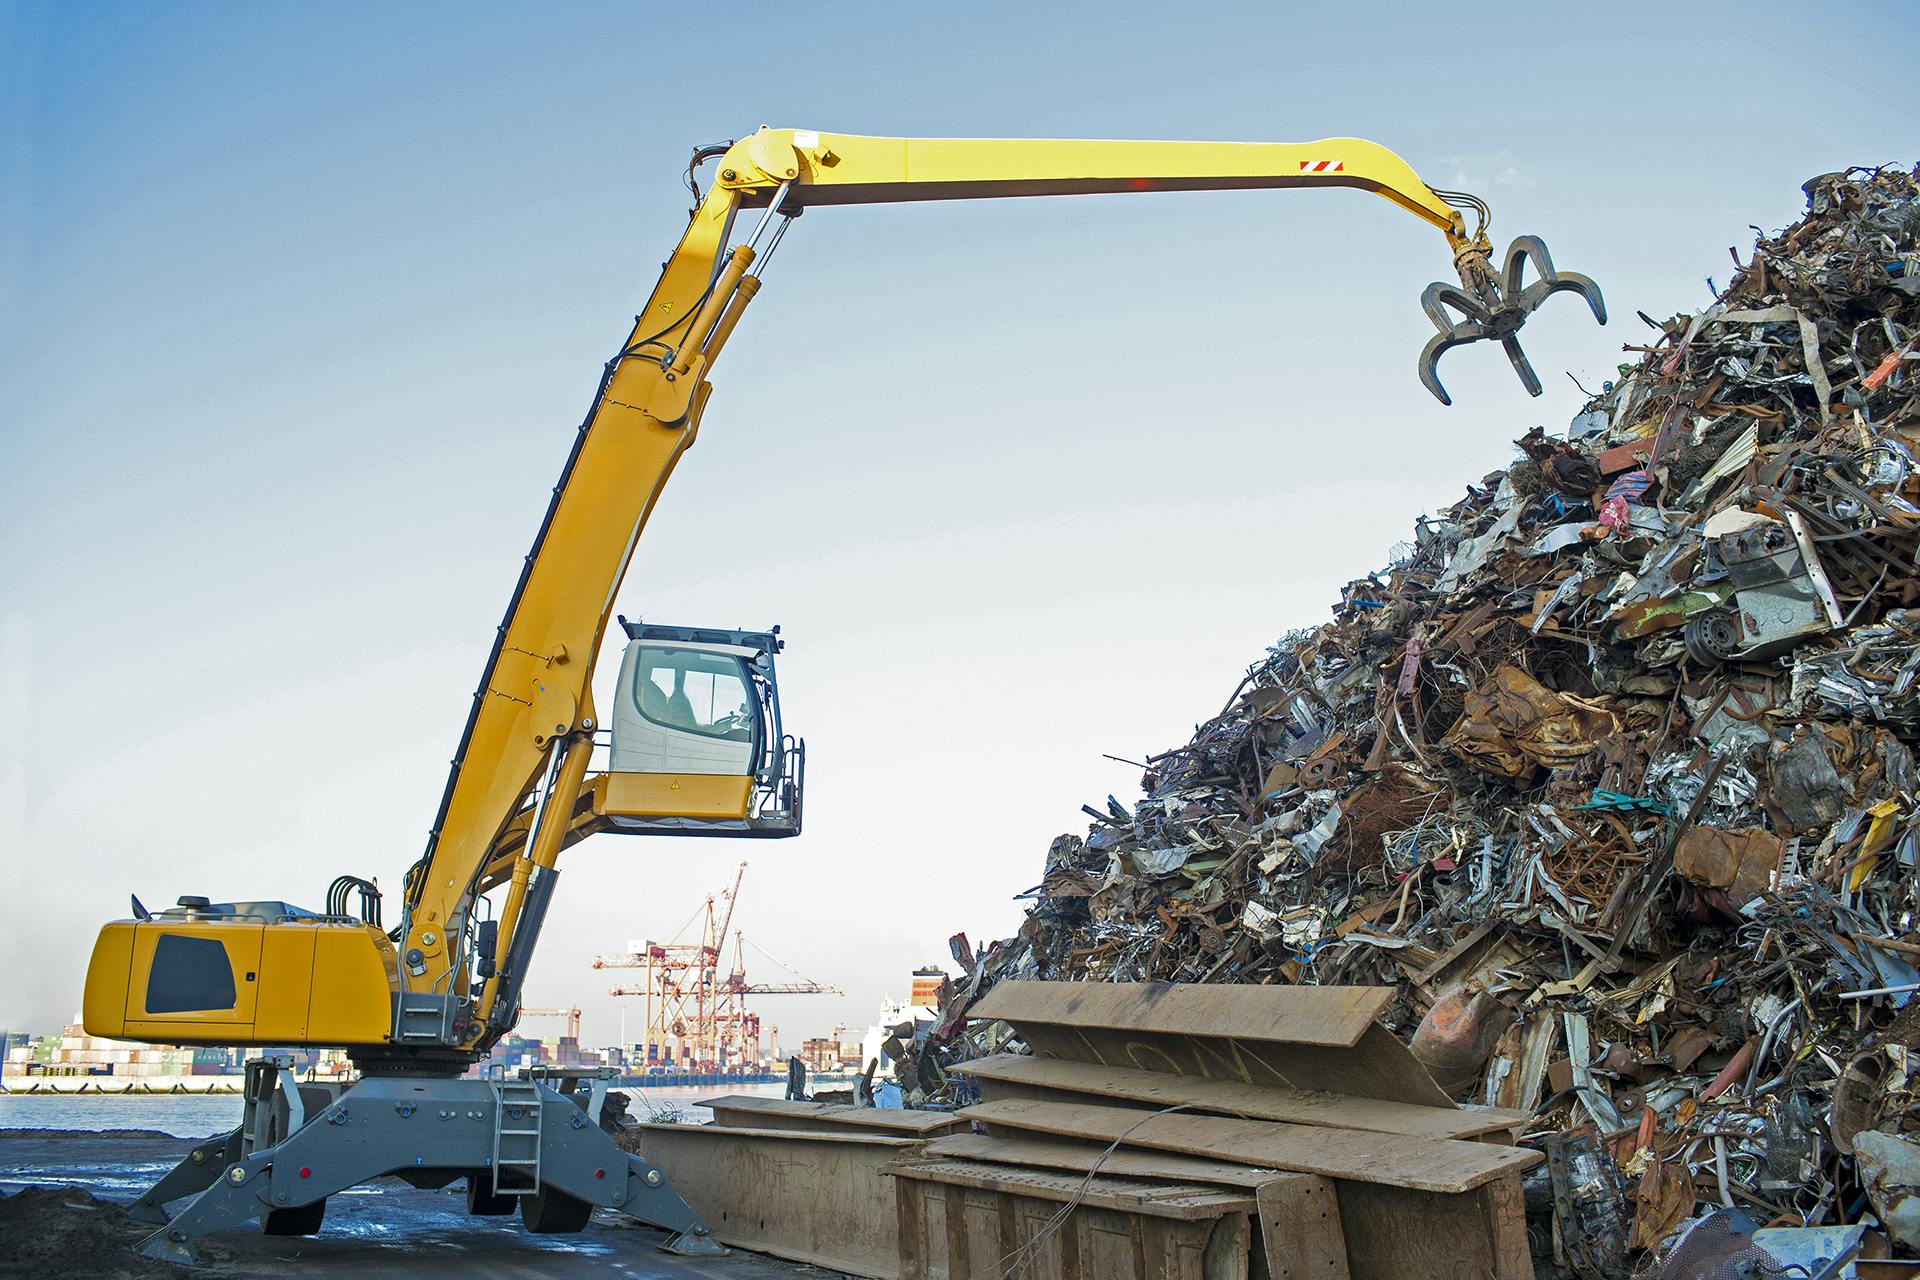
(482, 1203)
(550, 1211)
(303, 1221)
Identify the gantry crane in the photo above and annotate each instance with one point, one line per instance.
(696, 744)
(571, 1015)
(696, 1017)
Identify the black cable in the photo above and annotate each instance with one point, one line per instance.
(700, 156)
(370, 895)
(653, 339)
(1467, 200)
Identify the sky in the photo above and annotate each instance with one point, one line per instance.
(301, 305)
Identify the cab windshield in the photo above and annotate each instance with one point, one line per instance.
(695, 691)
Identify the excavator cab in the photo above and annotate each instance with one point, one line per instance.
(697, 743)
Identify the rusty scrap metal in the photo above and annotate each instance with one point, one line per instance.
(1609, 774)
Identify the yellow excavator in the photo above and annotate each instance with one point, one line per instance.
(693, 745)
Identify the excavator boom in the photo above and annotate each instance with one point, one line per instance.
(533, 707)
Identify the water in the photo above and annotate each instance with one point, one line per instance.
(188, 1116)
(178, 1114)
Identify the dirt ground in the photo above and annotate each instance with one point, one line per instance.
(62, 1198)
(67, 1231)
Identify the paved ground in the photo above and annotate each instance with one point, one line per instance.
(385, 1229)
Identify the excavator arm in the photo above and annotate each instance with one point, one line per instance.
(533, 713)
(837, 168)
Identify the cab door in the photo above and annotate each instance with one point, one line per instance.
(194, 981)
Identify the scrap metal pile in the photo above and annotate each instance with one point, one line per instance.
(1611, 773)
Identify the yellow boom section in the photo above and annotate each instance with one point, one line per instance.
(533, 708)
(844, 168)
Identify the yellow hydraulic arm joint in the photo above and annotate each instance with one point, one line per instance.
(675, 396)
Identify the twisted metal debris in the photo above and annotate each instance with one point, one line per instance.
(1610, 773)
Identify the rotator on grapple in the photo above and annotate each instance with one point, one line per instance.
(1493, 306)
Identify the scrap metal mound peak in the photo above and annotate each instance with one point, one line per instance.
(1610, 775)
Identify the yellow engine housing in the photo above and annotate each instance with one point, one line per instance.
(242, 982)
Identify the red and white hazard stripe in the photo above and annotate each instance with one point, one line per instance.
(1322, 166)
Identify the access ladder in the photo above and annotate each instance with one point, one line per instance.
(516, 1137)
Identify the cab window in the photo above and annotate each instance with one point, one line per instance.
(189, 974)
(695, 691)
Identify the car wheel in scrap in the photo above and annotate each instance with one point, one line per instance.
(1712, 637)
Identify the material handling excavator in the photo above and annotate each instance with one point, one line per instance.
(693, 745)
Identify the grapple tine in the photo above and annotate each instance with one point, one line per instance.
(1438, 296)
(1525, 248)
(1440, 343)
(1565, 282)
(1519, 252)
(1521, 365)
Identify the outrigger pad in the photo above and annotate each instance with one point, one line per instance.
(1491, 308)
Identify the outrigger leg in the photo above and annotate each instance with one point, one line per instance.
(519, 1139)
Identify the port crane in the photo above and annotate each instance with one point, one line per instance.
(571, 1015)
(692, 744)
(696, 1017)
(808, 988)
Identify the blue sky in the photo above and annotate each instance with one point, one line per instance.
(302, 305)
